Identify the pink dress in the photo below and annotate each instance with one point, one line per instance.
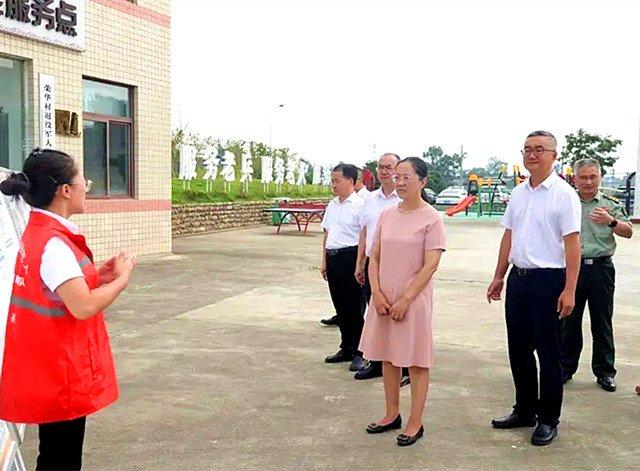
(404, 237)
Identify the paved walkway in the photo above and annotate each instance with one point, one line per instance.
(219, 353)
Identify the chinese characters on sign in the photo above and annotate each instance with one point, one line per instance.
(59, 22)
(47, 112)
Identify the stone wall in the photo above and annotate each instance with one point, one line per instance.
(192, 219)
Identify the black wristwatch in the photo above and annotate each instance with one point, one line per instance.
(613, 223)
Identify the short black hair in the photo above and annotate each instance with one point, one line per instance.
(348, 171)
(544, 134)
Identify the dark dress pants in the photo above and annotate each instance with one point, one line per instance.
(533, 326)
(596, 286)
(60, 445)
(346, 295)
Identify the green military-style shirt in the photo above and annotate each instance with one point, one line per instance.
(599, 240)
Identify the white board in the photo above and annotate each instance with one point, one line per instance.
(14, 213)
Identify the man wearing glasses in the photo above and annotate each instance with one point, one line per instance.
(602, 218)
(542, 241)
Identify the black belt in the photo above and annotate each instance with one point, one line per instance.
(332, 252)
(536, 271)
(595, 260)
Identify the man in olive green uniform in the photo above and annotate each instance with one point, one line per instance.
(603, 218)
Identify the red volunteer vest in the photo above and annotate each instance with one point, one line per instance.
(56, 367)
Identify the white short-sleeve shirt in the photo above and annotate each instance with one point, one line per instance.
(371, 210)
(539, 218)
(59, 263)
(342, 222)
(364, 192)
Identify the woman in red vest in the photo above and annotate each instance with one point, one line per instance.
(58, 367)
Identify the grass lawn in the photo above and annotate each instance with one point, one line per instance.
(197, 193)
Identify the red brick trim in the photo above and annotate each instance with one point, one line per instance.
(635, 220)
(126, 206)
(137, 11)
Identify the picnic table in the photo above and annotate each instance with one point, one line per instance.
(301, 214)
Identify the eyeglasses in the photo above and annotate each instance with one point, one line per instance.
(537, 151)
(87, 185)
(405, 179)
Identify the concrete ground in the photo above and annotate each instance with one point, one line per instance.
(220, 359)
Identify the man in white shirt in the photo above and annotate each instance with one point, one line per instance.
(341, 224)
(542, 241)
(377, 200)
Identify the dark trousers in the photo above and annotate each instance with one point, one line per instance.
(596, 285)
(346, 295)
(366, 289)
(533, 325)
(61, 445)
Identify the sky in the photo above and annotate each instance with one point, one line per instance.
(359, 78)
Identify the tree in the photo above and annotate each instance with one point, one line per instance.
(444, 169)
(583, 145)
(372, 165)
(494, 165)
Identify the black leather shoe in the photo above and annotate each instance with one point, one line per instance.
(358, 364)
(513, 420)
(607, 383)
(405, 380)
(406, 440)
(543, 435)
(566, 378)
(332, 321)
(371, 371)
(339, 357)
(376, 428)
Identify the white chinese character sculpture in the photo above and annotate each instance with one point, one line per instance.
(228, 169)
(291, 171)
(246, 168)
(211, 162)
(302, 173)
(279, 173)
(187, 165)
(317, 174)
(326, 175)
(267, 172)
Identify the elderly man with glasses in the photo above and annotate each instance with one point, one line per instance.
(603, 218)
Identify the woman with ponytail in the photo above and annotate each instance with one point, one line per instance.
(408, 243)
(58, 367)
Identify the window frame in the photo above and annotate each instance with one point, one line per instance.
(108, 119)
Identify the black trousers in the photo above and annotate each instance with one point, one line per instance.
(366, 289)
(596, 286)
(346, 295)
(61, 445)
(533, 325)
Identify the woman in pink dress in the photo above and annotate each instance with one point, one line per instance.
(409, 241)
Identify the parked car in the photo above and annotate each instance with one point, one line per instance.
(431, 196)
(451, 195)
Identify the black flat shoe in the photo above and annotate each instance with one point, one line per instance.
(339, 357)
(405, 380)
(566, 379)
(406, 440)
(513, 420)
(543, 435)
(376, 428)
(607, 383)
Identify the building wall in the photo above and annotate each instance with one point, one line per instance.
(129, 44)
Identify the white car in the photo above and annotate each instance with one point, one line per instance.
(451, 196)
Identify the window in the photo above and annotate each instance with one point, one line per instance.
(12, 114)
(107, 133)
